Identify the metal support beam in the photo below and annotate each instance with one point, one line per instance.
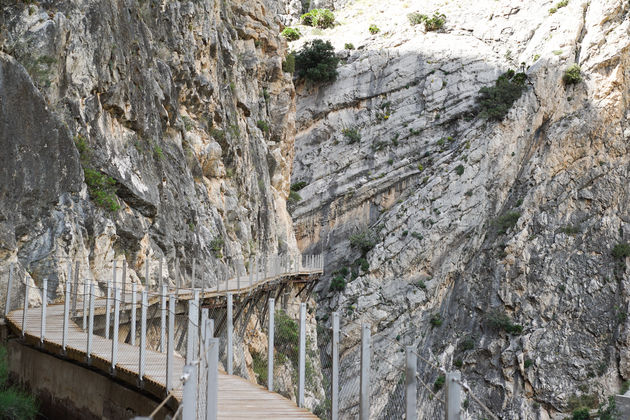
(189, 400)
(163, 320)
(193, 330)
(270, 346)
(85, 303)
(411, 384)
(43, 319)
(302, 360)
(108, 308)
(25, 310)
(66, 315)
(7, 306)
(335, 367)
(453, 396)
(134, 302)
(194, 263)
(124, 280)
(75, 289)
(171, 343)
(115, 332)
(143, 336)
(160, 280)
(230, 332)
(364, 399)
(212, 382)
(88, 350)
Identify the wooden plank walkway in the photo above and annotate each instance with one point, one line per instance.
(237, 397)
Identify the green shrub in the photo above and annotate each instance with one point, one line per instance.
(216, 246)
(558, 5)
(528, 363)
(364, 240)
(621, 251)
(263, 126)
(294, 197)
(338, 283)
(572, 75)
(506, 221)
(288, 65)
(297, 186)
(349, 46)
(501, 321)
(436, 320)
(259, 366)
(459, 170)
(432, 23)
(102, 189)
(374, 29)
(364, 264)
(580, 414)
(439, 383)
(320, 18)
(218, 135)
(415, 18)
(352, 134)
(159, 154)
(287, 335)
(458, 363)
(291, 34)
(571, 229)
(610, 412)
(81, 143)
(495, 101)
(625, 386)
(316, 61)
(466, 344)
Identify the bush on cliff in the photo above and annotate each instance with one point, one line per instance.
(317, 62)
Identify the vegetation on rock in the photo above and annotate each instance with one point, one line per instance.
(572, 75)
(495, 101)
(320, 18)
(291, 34)
(317, 62)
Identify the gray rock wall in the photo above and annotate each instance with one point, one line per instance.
(183, 104)
(432, 180)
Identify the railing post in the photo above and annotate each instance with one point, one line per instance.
(256, 273)
(171, 343)
(163, 320)
(85, 304)
(25, 310)
(124, 280)
(270, 346)
(143, 336)
(302, 360)
(251, 271)
(189, 393)
(204, 321)
(7, 306)
(230, 331)
(108, 307)
(453, 396)
(115, 332)
(66, 316)
(193, 273)
(146, 272)
(160, 280)
(411, 383)
(193, 331)
(227, 280)
(364, 403)
(75, 295)
(238, 276)
(335, 368)
(44, 303)
(212, 381)
(134, 301)
(90, 335)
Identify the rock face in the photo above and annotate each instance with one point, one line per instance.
(480, 226)
(184, 105)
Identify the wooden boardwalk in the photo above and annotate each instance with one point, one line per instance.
(237, 397)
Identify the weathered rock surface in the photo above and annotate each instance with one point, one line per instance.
(166, 99)
(432, 180)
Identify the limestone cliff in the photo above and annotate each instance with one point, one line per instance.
(484, 225)
(142, 130)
